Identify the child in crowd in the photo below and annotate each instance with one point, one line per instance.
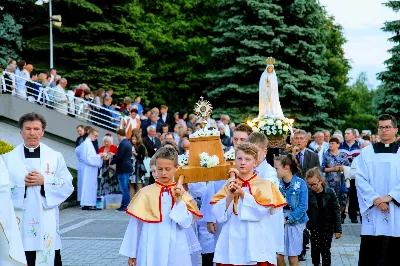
(324, 214)
(244, 239)
(294, 189)
(161, 213)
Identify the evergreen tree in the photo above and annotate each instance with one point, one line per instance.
(97, 44)
(294, 32)
(11, 40)
(389, 100)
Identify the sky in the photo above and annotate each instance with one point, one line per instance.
(367, 44)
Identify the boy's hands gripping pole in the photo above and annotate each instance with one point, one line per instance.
(179, 190)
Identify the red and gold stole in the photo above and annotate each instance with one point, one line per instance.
(146, 204)
(264, 192)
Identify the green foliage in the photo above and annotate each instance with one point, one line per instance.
(11, 39)
(358, 101)
(295, 33)
(158, 50)
(5, 147)
(388, 100)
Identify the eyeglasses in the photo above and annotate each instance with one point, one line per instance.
(385, 128)
(313, 185)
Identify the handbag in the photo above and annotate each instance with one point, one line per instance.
(343, 188)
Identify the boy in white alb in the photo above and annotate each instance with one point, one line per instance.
(245, 238)
(160, 215)
(266, 171)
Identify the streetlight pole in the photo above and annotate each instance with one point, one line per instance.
(51, 35)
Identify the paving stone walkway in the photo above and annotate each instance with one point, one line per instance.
(94, 237)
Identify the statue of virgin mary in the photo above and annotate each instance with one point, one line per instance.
(269, 104)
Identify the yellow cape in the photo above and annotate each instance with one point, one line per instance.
(264, 192)
(146, 204)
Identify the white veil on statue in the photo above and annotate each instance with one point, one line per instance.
(269, 104)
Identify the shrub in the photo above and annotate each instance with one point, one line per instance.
(5, 147)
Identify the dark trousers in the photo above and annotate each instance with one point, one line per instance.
(306, 240)
(31, 258)
(353, 200)
(379, 251)
(207, 259)
(321, 240)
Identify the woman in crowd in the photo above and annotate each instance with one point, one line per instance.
(182, 119)
(109, 183)
(42, 80)
(324, 214)
(139, 153)
(332, 165)
(22, 75)
(294, 189)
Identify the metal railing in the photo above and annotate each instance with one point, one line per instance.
(59, 100)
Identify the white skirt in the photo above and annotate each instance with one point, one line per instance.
(293, 240)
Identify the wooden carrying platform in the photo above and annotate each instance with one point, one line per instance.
(193, 172)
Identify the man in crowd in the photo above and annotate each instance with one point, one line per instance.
(155, 123)
(91, 164)
(378, 187)
(164, 128)
(165, 117)
(53, 74)
(145, 120)
(351, 148)
(151, 142)
(109, 93)
(40, 182)
(124, 167)
(138, 105)
(60, 97)
(225, 119)
(327, 135)
(319, 145)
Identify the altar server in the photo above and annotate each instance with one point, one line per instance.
(378, 189)
(40, 182)
(245, 239)
(240, 135)
(11, 248)
(91, 164)
(266, 171)
(160, 215)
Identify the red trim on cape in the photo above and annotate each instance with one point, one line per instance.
(168, 187)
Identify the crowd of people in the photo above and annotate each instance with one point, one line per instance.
(318, 173)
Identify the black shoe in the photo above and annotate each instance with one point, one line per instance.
(120, 210)
(354, 220)
(343, 217)
(88, 208)
(302, 257)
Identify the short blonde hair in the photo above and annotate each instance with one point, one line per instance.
(248, 148)
(110, 139)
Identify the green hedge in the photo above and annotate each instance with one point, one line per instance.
(5, 147)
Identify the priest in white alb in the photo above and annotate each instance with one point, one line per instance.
(39, 183)
(91, 164)
(11, 248)
(378, 189)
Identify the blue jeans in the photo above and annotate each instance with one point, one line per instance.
(124, 185)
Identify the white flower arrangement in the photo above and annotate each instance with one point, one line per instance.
(272, 126)
(183, 159)
(230, 155)
(208, 161)
(204, 132)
